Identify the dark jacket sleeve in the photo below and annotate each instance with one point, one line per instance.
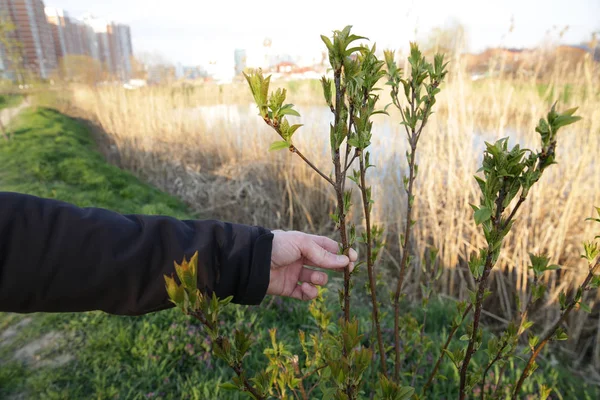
(55, 257)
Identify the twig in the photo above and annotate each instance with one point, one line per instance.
(403, 261)
(443, 353)
(238, 368)
(371, 266)
(490, 365)
(552, 331)
(294, 149)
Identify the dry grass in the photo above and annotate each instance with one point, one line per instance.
(219, 164)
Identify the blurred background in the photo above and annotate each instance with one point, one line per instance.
(160, 86)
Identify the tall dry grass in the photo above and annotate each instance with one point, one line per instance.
(216, 159)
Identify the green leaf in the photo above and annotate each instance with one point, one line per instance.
(585, 307)
(229, 386)
(288, 110)
(482, 215)
(279, 145)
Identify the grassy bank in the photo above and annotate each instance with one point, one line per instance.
(163, 355)
(9, 100)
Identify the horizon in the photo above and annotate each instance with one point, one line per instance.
(173, 32)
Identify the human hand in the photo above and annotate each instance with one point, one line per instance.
(291, 252)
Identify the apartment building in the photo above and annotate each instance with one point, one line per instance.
(112, 46)
(34, 34)
(47, 35)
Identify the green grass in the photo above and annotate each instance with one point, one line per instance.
(10, 100)
(162, 355)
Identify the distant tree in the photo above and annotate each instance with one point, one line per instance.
(81, 69)
(12, 49)
(157, 68)
(138, 70)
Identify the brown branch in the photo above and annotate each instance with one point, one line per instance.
(444, 348)
(349, 163)
(371, 266)
(238, 368)
(294, 149)
(490, 365)
(339, 188)
(552, 331)
(489, 264)
(240, 373)
(513, 212)
(403, 261)
(297, 373)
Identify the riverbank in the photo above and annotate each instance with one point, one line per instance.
(163, 355)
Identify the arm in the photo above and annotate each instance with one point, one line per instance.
(55, 257)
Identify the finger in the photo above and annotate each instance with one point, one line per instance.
(312, 276)
(319, 256)
(305, 291)
(332, 246)
(307, 263)
(353, 255)
(328, 244)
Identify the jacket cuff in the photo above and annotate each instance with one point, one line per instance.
(260, 271)
(243, 266)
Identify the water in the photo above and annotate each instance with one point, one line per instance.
(388, 147)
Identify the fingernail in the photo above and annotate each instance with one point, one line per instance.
(342, 259)
(321, 278)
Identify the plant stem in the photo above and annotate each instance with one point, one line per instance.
(294, 149)
(483, 282)
(404, 260)
(339, 187)
(238, 368)
(443, 353)
(371, 266)
(301, 378)
(413, 137)
(340, 177)
(490, 365)
(240, 373)
(574, 301)
(499, 356)
(514, 211)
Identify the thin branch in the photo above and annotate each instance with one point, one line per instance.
(371, 266)
(574, 301)
(349, 164)
(293, 149)
(490, 365)
(483, 282)
(513, 212)
(403, 261)
(444, 348)
(238, 368)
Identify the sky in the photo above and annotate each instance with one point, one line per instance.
(194, 32)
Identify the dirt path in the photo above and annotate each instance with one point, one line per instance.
(28, 352)
(7, 114)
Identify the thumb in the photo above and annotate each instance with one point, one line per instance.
(319, 256)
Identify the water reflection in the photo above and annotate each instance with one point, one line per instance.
(388, 143)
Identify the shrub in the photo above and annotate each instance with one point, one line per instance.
(335, 357)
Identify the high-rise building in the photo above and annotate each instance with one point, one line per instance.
(120, 49)
(111, 45)
(34, 34)
(70, 35)
(46, 35)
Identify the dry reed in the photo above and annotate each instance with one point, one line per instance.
(215, 158)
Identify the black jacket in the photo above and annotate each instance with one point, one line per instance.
(55, 257)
